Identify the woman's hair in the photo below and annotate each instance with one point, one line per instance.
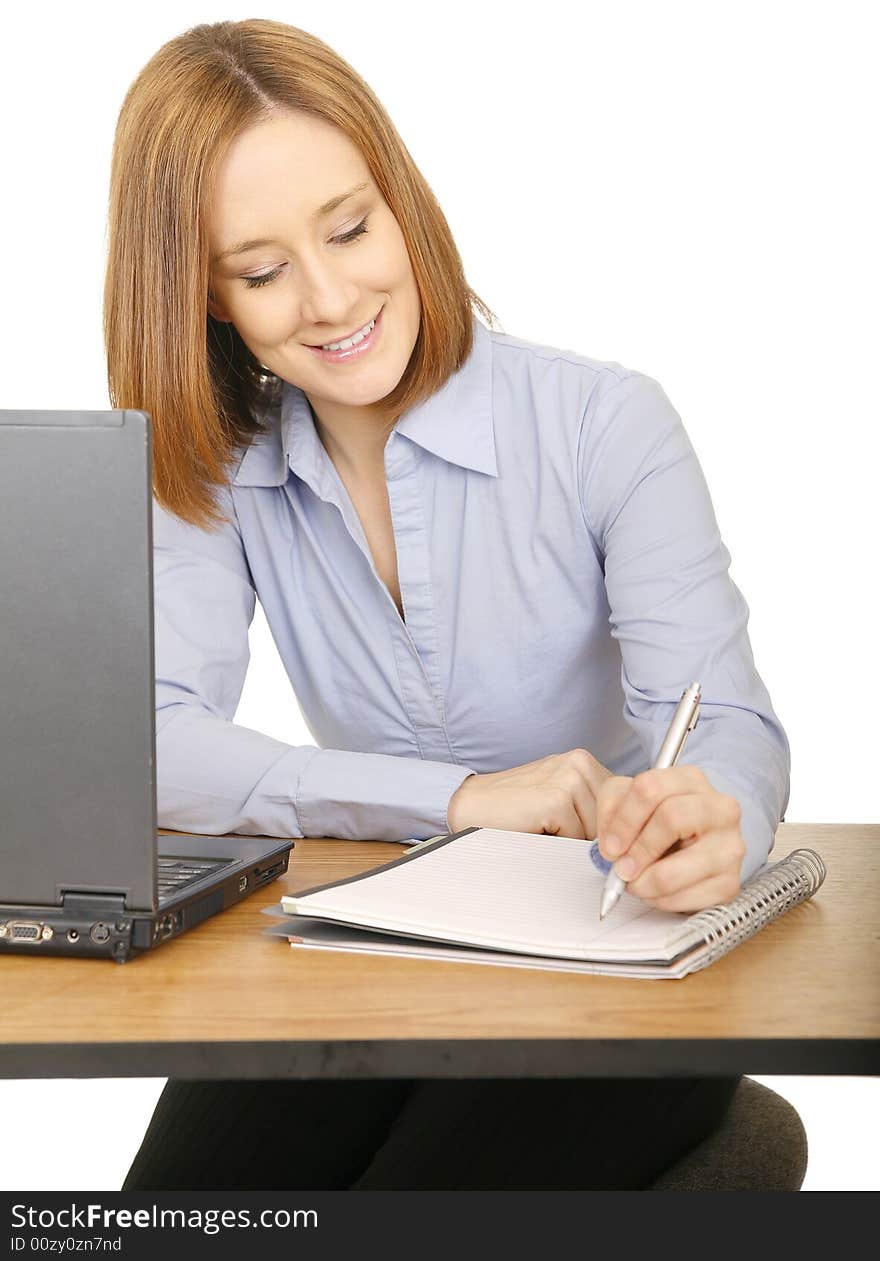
(203, 388)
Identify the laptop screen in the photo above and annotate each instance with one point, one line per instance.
(77, 765)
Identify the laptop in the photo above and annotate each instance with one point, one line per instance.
(82, 868)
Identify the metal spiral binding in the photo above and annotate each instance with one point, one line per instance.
(764, 898)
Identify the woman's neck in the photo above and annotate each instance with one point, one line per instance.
(354, 439)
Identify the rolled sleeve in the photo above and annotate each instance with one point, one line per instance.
(674, 610)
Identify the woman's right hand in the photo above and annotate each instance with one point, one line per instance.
(556, 795)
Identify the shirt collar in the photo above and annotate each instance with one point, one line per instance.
(455, 423)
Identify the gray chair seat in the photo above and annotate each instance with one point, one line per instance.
(760, 1145)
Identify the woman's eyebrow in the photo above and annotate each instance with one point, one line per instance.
(328, 207)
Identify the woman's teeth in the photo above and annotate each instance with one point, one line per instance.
(353, 340)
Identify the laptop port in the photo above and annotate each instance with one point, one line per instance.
(26, 930)
(270, 873)
(99, 933)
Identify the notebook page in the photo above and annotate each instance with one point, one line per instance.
(511, 890)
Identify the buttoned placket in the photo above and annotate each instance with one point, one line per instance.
(414, 641)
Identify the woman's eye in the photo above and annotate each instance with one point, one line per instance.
(255, 282)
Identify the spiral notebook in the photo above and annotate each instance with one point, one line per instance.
(519, 899)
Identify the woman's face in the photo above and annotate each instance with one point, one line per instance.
(305, 285)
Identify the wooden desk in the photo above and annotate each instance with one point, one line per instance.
(226, 1001)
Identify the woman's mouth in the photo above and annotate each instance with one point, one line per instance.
(347, 353)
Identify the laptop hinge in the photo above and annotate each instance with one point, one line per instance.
(110, 904)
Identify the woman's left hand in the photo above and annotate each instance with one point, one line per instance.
(679, 835)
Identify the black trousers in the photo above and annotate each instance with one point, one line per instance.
(434, 1134)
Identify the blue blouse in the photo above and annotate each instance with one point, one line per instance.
(563, 580)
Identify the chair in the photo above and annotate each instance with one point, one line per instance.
(760, 1145)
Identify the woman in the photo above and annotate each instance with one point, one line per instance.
(490, 568)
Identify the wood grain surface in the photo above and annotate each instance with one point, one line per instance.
(814, 974)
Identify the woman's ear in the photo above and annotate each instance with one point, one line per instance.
(215, 310)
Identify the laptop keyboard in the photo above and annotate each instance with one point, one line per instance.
(177, 873)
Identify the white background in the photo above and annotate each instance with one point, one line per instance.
(687, 188)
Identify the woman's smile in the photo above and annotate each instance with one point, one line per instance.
(347, 354)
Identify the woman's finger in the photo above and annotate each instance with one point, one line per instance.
(573, 808)
(710, 893)
(629, 812)
(573, 824)
(710, 857)
(611, 793)
(585, 808)
(679, 818)
(675, 818)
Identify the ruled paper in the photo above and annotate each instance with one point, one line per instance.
(509, 890)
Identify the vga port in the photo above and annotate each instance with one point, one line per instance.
(24, 930)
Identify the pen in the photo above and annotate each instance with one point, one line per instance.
(683, 720)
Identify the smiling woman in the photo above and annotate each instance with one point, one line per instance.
(256, 137)
(489, 566)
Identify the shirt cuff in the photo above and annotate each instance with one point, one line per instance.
(374, 796)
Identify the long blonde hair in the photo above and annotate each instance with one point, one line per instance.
(203, 388)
